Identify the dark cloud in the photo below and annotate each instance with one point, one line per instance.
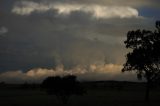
(47, 39)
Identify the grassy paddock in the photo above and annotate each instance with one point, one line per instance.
(98, 94)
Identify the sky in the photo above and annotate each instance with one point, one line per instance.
(40, 38)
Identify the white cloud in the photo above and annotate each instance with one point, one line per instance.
(3, 30)
(107, 71)
(98, 11)
(106, 68)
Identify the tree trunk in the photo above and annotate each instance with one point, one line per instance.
(147, 91)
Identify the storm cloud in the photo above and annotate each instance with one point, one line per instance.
(40, 34)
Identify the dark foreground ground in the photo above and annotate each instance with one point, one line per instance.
(98, 94)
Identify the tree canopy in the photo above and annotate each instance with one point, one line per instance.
(144, 55)
(63, 87)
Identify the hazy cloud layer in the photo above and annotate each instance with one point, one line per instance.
(43, 34)
(94, 72)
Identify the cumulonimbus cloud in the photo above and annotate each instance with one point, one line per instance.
(97, 11)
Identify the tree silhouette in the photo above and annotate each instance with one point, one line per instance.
(63, 87)
(144, 55)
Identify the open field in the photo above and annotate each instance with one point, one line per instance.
(98, 94)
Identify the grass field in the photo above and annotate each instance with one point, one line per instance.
(97, 95)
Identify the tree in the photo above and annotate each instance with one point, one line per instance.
(63, 87)
(144, 55)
